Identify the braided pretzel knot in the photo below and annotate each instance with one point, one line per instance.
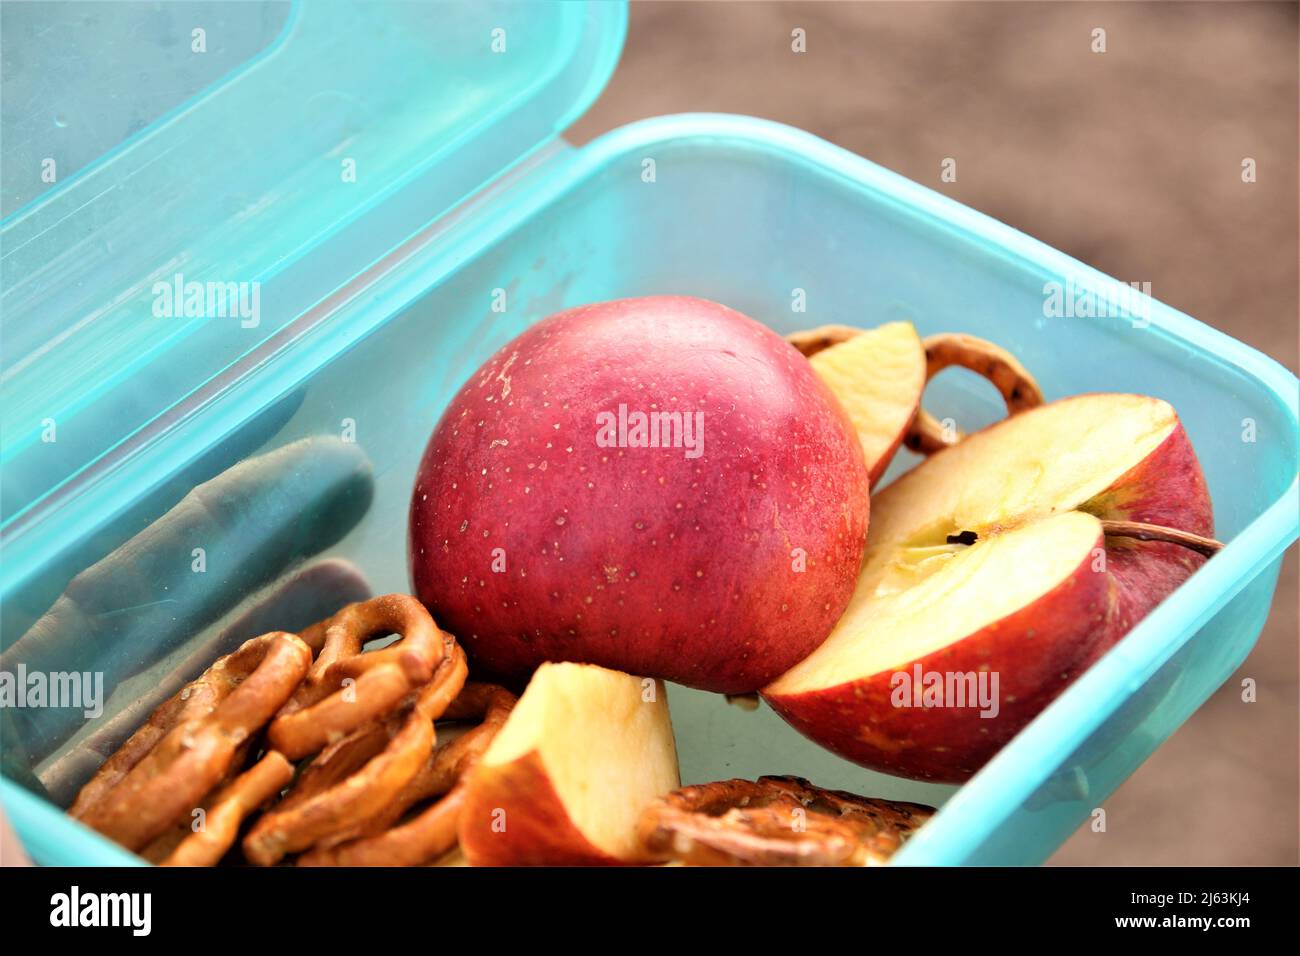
(325, 708)
(431, 832)
(190, 743)
(776, 821)
(355, 777)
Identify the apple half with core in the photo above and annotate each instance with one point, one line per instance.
(564, 783)
(996, 572)
(659, 485)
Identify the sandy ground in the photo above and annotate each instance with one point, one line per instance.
(1128, 160)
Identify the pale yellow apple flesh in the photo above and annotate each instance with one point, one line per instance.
(1055, 458)
(1000, 554)
(877, 376)
(918, 603)
(583, 753)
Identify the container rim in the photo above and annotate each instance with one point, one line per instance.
(43, 827)
(959, 828)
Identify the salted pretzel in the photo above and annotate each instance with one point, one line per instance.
(195, 700)
(226, 811)
(355, 777)
(162, 846)
(776, 821)
(432, 832)
(446, 762)
(190, 743)
(345, 757)
(325, 708)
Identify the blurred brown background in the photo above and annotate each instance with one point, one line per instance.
(1128, 160)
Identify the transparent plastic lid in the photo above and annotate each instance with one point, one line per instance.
(202, 175)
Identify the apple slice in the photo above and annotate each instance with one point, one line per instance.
(1005, 564)
(877, 375)
(583, 753)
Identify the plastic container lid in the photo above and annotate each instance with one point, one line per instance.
(199, 235)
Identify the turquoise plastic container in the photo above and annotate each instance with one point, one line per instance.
(380, 281)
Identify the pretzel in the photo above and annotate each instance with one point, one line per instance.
(445, 763)
(161, 847)
(776, 821)
(926, 434)
(195, 700)
(324, 709)
(345, 757)
(812, 341)
(1018, 388)
(137, 798)
(227, 810)
(432, 832)
(359, 774)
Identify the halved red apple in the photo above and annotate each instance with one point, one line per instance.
(585, 750)
(877, 375)
(993, 558)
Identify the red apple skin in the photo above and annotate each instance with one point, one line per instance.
(641, 559)
(1167, 488)
(858, 720)
(877, 468)
(1038, 651)
(537, 829)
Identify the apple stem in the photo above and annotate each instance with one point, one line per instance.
(1154, 532)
